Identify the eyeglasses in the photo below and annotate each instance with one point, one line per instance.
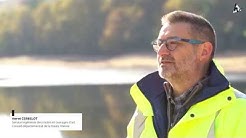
(172, 42)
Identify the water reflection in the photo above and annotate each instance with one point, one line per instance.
(40, 75)
(106, 109)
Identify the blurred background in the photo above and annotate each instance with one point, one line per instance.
(71, 56)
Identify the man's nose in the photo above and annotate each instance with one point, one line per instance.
(163, 50)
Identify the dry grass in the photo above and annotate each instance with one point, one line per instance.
(233, 64)
(229, 63)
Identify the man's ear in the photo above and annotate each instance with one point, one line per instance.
(206, 51)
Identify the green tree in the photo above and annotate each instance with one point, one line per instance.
(119, 27)
(69, 26)
(16, 29)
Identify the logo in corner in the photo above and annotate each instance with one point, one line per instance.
(236, 8)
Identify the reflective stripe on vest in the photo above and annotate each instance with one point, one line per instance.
(211, 132)
(141, 126)
(138, 124)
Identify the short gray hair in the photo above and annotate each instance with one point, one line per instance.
(200, 26)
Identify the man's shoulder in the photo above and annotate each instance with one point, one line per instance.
(239, 94)
(239, 103)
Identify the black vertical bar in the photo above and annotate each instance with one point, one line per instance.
(13, 112)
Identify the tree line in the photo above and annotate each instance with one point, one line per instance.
(106, 26)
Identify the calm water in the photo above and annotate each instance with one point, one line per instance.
(30, 75)
(102, 95)
(106, 108)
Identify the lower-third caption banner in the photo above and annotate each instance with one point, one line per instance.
(57, 121)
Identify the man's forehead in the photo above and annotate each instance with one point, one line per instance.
(176, 29)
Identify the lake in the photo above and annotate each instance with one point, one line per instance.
(102, 96)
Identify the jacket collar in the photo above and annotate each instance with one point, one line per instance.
(152, 84)
(152, 88)
(216, 83)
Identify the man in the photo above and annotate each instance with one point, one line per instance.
(188, 97)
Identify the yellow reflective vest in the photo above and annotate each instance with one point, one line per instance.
(220, 116)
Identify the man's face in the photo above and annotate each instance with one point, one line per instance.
(181, 62)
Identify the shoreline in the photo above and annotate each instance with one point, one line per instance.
(230, 63)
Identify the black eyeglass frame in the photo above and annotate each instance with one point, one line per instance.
(157, 43)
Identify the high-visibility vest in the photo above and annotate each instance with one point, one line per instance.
(221, 116)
